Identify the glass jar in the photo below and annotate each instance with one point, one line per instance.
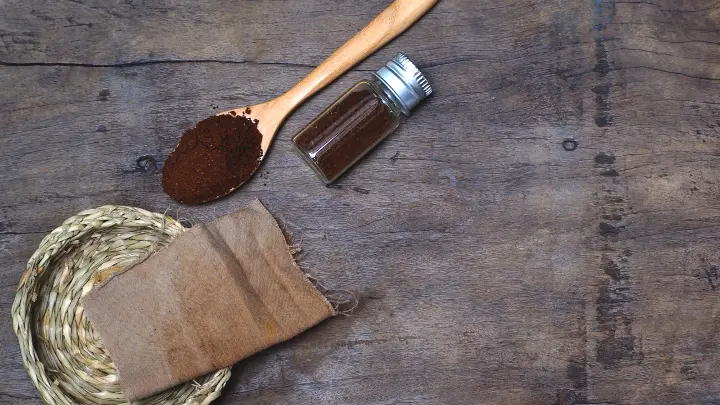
(361, 118)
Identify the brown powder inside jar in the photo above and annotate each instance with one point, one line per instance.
(212, 159)
(361, 118)
(346, 131)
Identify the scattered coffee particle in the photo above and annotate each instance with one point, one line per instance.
(248, 110)
(233, 113)
(213, 159)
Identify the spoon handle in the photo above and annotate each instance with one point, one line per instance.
(398, 17)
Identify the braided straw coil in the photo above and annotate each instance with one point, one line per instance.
(62, 354)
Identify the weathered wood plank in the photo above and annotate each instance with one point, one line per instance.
(493, 265)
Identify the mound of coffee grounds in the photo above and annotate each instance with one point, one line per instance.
(213, 159)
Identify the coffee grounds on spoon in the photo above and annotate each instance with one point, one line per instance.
(212, 159)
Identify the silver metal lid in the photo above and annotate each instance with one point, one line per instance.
(405, 81)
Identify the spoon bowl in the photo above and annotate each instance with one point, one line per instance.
(269, 118)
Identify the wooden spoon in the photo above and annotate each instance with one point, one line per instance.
(394, 20)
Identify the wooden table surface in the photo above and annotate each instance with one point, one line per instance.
(493, 266)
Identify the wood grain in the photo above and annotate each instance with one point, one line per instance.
(493, 265)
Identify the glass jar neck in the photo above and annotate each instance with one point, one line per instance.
(390, 98)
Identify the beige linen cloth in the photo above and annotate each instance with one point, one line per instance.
(217, 294)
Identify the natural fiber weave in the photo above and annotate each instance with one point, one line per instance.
(62, 354)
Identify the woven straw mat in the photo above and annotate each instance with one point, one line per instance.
(62, 354)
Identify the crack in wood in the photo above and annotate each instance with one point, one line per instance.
(157, 62)
(664, 10)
